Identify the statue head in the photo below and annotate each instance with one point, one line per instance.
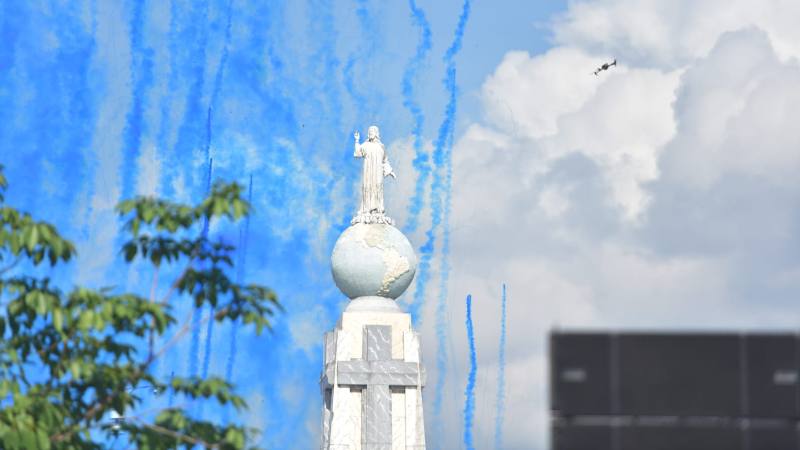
(373, 134)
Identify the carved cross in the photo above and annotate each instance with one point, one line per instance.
(376, 373)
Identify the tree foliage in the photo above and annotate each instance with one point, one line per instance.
(68, 359)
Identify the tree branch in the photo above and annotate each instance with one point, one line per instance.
(175, 434)
(135, 377)
(151, 339)
(12, 265)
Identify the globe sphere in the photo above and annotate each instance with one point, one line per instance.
(373, 260)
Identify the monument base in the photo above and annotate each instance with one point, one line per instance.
(372, 380)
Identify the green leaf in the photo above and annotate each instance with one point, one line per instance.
(75, 369)
(147, 213)
(13, 355)
(31, 238)
(58, 319)
(235, 437)
(98, 322)
(86, 320)
(37, 257)
(130, 251)
(41, 303)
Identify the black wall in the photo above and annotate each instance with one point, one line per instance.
(675, 374)
(580, 365)
(665, 375)
(770, 357)
(674, 437)
(649, 391)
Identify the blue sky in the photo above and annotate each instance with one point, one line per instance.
(662, 194)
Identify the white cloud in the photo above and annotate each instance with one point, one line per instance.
(553, 201)
(622, 128)
(673, 33)
(544, 88)
(604, 119)
(737, 105)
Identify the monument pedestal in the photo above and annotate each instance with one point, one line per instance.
(372, 377)
(372, 380)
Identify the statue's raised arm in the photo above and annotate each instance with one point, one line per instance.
(375, 168)
(357, 152)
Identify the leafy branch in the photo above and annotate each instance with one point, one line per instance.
(68, 358)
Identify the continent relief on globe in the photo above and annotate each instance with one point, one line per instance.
(373, 260)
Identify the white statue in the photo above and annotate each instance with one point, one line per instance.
(376, 168)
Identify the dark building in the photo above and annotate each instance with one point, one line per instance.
(674, 391)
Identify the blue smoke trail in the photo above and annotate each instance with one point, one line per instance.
(209, 332)
(421, 159)
(326, 66)
(142, 77)
(362, 98)
(49, 107)
(349, 83)
(442, 160)
(364, 20)
(191, 30)
(366, 105)
(214, 95)
(165, 105)
(166, 101)
(360, 101)
(223, 59)
(469, 392)
(501, 376)
(190, 130)
(194, 350)
(240, 274)
(164, 123)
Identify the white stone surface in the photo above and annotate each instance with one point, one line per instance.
(400, 323)
(414, 423)
(398, 419)
(373, 305)
(347, 403)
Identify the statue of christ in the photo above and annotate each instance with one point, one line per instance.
(376, 168)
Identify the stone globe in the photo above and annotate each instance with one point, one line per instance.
(373, 259)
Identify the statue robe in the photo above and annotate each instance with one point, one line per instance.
(376, 166)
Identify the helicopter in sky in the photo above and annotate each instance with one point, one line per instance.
(605, 66)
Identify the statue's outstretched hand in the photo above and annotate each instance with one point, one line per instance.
(391, 174)
(357, 136)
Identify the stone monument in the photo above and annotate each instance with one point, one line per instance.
(372, 376)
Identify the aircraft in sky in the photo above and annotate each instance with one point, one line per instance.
(605, 66)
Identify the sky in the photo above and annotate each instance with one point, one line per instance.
(660, 194)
